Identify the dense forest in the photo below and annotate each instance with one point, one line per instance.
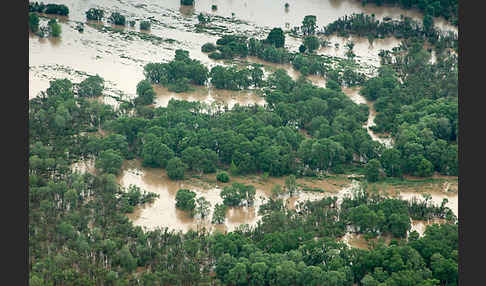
(79, 233)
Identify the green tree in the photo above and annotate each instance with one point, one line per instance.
(219, 213)
(109, 161)
(372, 170)
(291, 185)
(92, 86)
(309, 25)
(145, 92)
(117, 19)
(185, 200)
(276, 37)
(176, 168)
(311, 43)
(54, 27)
(94, 14)
(203, 207)
(33, 22)
(145, 25)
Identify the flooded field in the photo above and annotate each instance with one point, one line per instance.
(163, 213)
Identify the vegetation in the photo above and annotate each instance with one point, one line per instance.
(54, 28)
(447, 9)
(219, 214)
(117, 19)
(33, 22)
(208, 48)
(77, 222)
(185, 200)
(364, 25)
(178, 73)
(145, 25)
(276, 37)
(56, 9)
(187, 2)
(223, 177)
(92, 86)
(95, 14)
(78, 230)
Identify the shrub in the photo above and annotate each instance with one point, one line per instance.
(216, 56)
(145, 25)
(54, 28)
(117, 19)
(187, 2)
(132, 23)
(56, 9)
(208, 47)
(223, 177)
(95, 14)
(33, 22)
(214, 7)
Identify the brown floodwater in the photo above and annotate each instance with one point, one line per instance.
(163, 213)
(210, 96)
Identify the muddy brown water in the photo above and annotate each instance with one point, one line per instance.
(163, 213)
(210, 96)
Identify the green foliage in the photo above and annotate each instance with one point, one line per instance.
(372, 170)
(92, 86)
(109, 161)
(311, 43)
(203, 207)
(95, 14)
(54, 28)
(238, 194)
(219, 213)
(208, 48)
(231, 78)
(154, 152)
(276, 37)
(145, 92)
(117, 19)
(178, 73)
(56, 9)
(291, 185)
(145, 25)
(309, 25)
(223, 177)
(33, 22)
(187, 2)
(214, 7)
(185, 200)
(176, 168)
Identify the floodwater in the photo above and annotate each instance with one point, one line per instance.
(365, 51)
(163, 213)
(209, 96)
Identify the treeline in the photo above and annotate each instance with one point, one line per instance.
(436, 8)
(364, 25)
(178, 73)
(56, 9)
